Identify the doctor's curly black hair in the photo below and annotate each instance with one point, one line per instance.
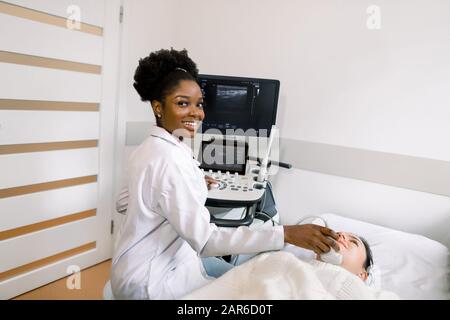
(160, 72)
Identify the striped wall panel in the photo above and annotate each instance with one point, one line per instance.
(17, 281)
(28, 127)
(58, 43)
(39, 245)
(14, 272)
(44, 186)
(28, 209)
(57, 12)
(25, 82)
(38, 167)
(49, 139)
(49, 63)
(39, 226)
(15, 104)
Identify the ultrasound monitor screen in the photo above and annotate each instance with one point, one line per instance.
(233, 103)
(224, 156)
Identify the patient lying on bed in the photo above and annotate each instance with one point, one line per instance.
(356, 254)
(282, 275)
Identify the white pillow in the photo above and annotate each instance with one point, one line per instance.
(411, 265)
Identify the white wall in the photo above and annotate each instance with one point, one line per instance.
(341, 83)
(146, 28)
(301, 193)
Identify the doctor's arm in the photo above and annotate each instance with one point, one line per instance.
(183, 206)
(241, 240)
(185, 211)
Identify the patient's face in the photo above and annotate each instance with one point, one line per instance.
(354, 254)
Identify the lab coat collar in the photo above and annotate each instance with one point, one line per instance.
(162, 133)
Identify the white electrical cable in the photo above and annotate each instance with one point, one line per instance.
(316, 217)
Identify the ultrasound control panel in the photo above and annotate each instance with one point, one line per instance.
(236, 187)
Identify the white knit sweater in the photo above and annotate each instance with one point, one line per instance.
(280, 275)
(344, 285)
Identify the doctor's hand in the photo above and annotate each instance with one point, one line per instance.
(211, 182)
(311, 237)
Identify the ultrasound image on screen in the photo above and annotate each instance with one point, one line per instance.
(231, 98)
(244, 104)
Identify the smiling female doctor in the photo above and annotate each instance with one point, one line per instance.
(167, 227)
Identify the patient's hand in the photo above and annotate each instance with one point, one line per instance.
(311, 237)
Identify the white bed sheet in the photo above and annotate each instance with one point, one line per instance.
(411, 265)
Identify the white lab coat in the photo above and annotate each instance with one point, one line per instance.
(167, 227)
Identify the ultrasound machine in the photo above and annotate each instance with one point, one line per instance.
(238, 109)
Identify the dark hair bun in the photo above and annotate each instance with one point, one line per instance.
(149, 79)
